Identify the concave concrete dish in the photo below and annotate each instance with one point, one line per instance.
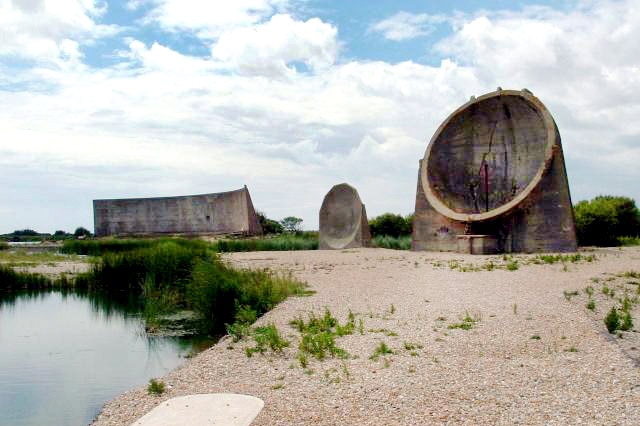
(343, 219)
(495, 167)
(223, 409)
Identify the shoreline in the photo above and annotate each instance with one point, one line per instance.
(496, 372)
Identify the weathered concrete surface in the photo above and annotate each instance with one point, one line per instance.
(224, 409)
(219, 213)
(495, 167)
(343, 219)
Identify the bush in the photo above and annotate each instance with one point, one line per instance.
(269, 226)
(4, 245)
(392, 225)
(605, 219)
(81, 232)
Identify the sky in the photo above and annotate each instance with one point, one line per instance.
(144, 98)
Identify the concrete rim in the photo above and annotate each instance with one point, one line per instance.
(550, 126)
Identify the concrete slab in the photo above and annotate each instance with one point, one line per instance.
(226, 409)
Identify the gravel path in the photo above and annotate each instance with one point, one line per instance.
(498, 372)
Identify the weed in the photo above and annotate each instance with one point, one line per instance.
(535, 337)
(627, 322)
(267, 337)
(277, 386)
(386, 363)
(605, 290)
(392, 309)
(513, 265)
(360, 326)
(612, 320)
(302, 358)
(569, 294)
(409, 346)
(515, 309)
(381, 349)
(467, 323)
(631, 274)
(155, 387)
(571, 349)
(345, 370)
(591, 305)
(589, 291)
(318, 334)
(238, 331)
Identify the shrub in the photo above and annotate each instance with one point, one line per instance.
(603, 220)
(156, 387)
(392, 225)
(269, 226)
(612, 320)
(4, 245)
(81, 232)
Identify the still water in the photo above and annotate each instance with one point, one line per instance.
(63, 356)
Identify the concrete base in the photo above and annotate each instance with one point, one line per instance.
(477, 244)
(226, 409)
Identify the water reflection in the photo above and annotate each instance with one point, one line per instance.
(64, 354)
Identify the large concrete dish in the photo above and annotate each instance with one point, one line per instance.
(488, 156)
(340, 217)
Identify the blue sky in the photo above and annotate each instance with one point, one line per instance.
(108, 99)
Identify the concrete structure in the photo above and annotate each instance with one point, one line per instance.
(220, 213)
(226, 409)
(493, 179)
(343, 219)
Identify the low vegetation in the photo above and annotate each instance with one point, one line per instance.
(172, 275)
(395, 243)
(155, 387)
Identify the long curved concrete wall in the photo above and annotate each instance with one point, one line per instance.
(218, 213)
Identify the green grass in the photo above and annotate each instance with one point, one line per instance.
(629, 241)
(395, 243)
(13, 281)
(284, 242)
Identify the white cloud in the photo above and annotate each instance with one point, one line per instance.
(165, 123)
(406, 26)
(270, 48)
(209, 19)
(50, 30)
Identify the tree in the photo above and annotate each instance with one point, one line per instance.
(606, 218)
(269, 226)
(291, 223)
(392, 225)
(82, 232)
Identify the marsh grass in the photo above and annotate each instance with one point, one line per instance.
(283, 242)
(395, 243)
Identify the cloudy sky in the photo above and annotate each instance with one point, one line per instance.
(139, 98)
